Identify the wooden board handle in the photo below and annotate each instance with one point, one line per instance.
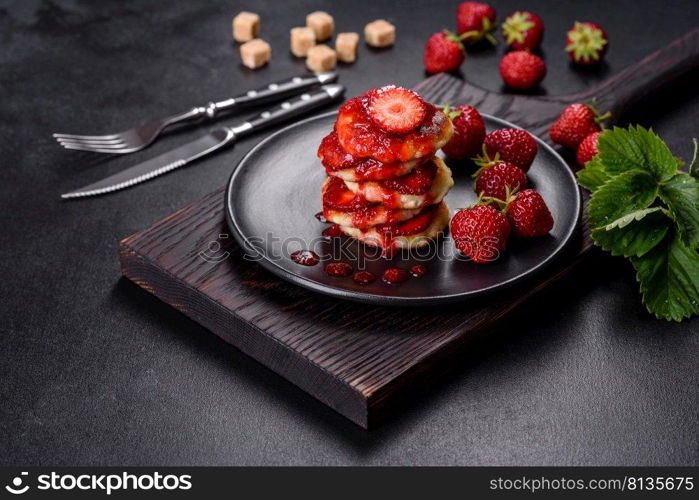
(645, 77)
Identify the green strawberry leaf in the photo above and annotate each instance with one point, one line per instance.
(593, 175)
(621, 150)
(681, 195)
(634, 234)
(669, 279)
(645, 208)
(623, 194)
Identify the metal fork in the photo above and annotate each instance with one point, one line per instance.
(138, 138)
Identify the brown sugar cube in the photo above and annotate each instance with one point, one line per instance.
(302, 39)
(380, 33)
(246, 26)
(346, 47)
(321, 58)
(321, 23)
(255, 53)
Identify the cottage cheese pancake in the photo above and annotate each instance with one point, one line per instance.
(425, 185)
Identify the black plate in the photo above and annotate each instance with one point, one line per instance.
(274, 193)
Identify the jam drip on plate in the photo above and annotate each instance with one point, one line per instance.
(395, 275)
(305, 257)
(418, 270)
(338, 269)
(364, 277)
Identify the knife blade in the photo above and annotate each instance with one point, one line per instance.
(216, 140)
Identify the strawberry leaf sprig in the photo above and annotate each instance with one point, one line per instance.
(645, 208)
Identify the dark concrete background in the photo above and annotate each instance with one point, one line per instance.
(95, 371)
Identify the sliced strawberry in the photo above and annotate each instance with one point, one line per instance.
(396, 109)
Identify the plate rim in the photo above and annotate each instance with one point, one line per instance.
(371, 298)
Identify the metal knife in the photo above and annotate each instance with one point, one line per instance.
(207, 144)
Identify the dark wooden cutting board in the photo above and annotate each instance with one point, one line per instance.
(358, 359)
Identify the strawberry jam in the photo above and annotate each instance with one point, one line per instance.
(418, 270)
(411, 226)
(334, 158)
(340, 205)
(338, 269)
(305, 257)
(419, 181)
(333, 231)
(337, 196)
(395, 275)
(364, 277)
(360, 136)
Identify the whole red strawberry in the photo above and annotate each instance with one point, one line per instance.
(586, 43)
(476, 20)
(512, 145)
(588, 148)
(529, 215)
(444, 52)
(575, 123)
(523, 30)
(469, 132)
(500, 179)
(522, 70)
(480, 232)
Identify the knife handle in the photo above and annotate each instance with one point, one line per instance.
(271, 92)
(279, 90)
(288, 109)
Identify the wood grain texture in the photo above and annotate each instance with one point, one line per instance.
(358, 359)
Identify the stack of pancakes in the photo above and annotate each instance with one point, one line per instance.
(386, 189)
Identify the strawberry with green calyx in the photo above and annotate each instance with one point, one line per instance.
(512, 145)
(476, 21)
(496, 179)
(523, 30)
(444, 52)
(577, 122)
(480, 232)
(529, 215)
(469, 132)
(586, 43)
(526, 211)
